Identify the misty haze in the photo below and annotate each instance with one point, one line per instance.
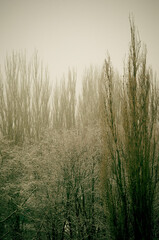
(79, 112)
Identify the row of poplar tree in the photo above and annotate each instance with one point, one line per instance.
(79, 166)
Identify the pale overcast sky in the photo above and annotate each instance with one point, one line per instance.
(77, 33)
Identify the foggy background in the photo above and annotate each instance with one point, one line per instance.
(75, 34)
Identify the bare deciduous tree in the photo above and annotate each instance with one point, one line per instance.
(130, 143)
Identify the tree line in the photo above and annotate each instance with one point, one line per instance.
(79, 166)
